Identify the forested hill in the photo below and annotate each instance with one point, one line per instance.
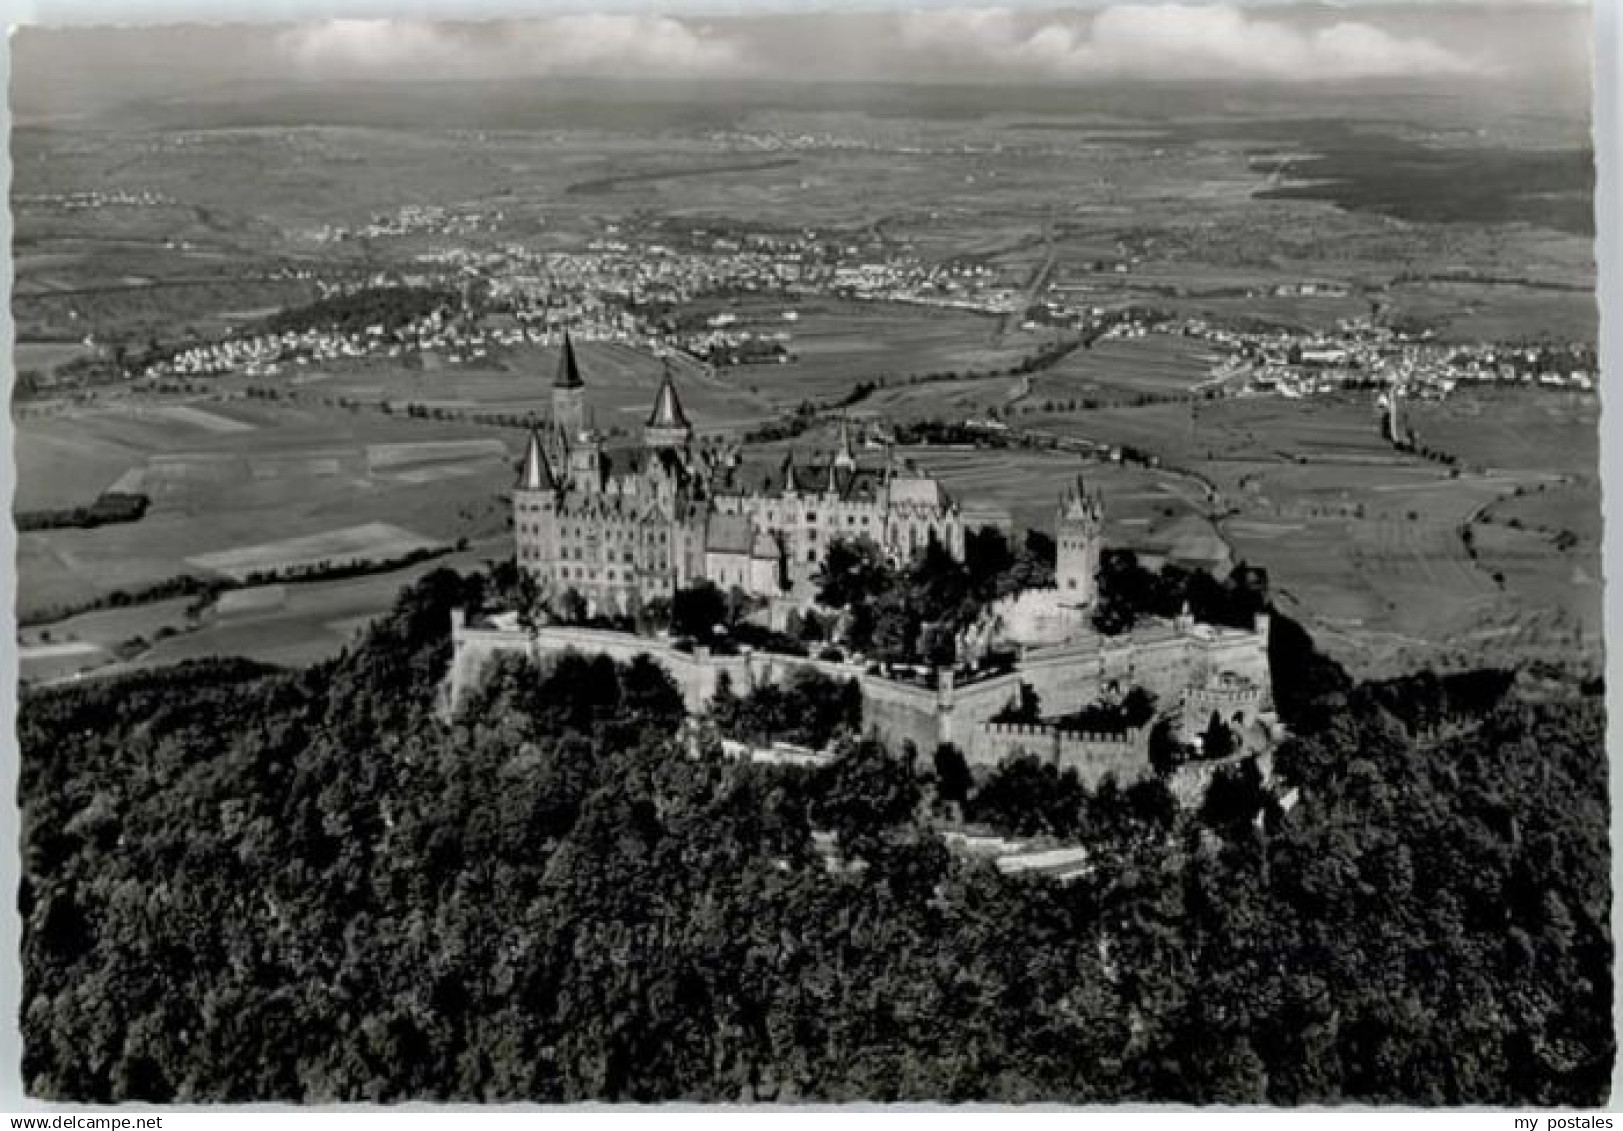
(244, 884)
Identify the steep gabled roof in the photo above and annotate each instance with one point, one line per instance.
(536, 474)
(568, 371)
(729, 534)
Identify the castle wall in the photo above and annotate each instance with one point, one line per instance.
(1093, 757)
(1166, 661)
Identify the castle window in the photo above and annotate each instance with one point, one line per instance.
(1070, 583)
(811, 555)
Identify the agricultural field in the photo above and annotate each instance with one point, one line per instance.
(1250, 429)
(621, 385)
(944, 400)
(233, 480)
(1023, 488)
(1120, 368)
(1515, 429)
(835, 346)
(1365, 543)
(279, 624)
(1475, 312)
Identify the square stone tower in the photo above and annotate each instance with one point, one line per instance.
(1078, 541)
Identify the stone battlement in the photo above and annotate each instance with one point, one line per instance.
(1094, 756)
(1165, 659)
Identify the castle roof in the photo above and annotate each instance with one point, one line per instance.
(568, 372)
(536, 474)
(850, 484)
(729, 534)
(667, 408)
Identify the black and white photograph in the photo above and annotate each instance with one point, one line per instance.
(947, 555)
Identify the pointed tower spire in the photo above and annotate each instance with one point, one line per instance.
(790, 483)
(536, 475)
(568, 397)
(568, 371)
(667, 425)
(845, 458)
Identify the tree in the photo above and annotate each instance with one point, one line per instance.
(543, 899)
(697, 610)
(953, 779)
(1166, 752)
(1025, 797)
(1217, 740)
(987, 558)
(862, 794)
(570, 607)
(854, 572)
(1025, 708)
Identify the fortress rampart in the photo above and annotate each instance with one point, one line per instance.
(1124, 756)
(1167, 659)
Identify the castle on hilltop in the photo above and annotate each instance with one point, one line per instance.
(619, 524)
(631, 522)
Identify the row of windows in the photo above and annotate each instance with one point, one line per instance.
(612, 534)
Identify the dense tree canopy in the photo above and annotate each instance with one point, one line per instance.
(809, 709)
(241, 883)
(1129, 591)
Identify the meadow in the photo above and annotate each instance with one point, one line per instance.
(1366, 544)
(1119, 368)
(232, 481)
(621, 385)
(835, 345)
(280, 623)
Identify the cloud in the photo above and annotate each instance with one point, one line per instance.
(369, 46)
(1126, 41)
(637, 45)
(1154, 41)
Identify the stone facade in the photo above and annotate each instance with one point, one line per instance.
(1232, 697)
(624, 524)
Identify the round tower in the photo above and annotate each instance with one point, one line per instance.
(535, 501)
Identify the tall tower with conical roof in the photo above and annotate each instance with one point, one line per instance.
(1078, 543)
(667, 425)
(568, 395)
(535, 509)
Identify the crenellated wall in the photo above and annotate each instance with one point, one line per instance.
(1165, 659)
(1094, 757)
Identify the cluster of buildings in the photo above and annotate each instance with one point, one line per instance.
(1360, 352)
(95, 200)
(411, 220)
(269, 354)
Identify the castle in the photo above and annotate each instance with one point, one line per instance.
(621, 524)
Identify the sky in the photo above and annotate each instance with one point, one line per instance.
(1502, 42)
